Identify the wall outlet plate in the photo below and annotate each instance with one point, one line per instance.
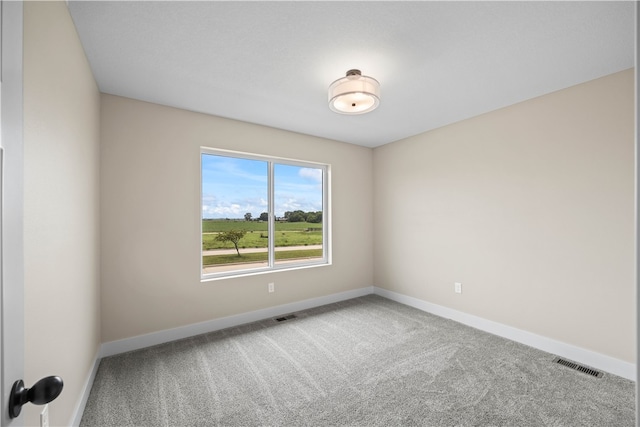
(44, 416)
(457, 286)
(272, 287)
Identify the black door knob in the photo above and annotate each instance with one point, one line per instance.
(42, 392)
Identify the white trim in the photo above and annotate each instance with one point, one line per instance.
(78, 411)
(595, 360)
(142, 341)
(254, 272)
(12, 340)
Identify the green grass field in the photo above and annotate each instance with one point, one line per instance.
(213, 225)
(287, 234)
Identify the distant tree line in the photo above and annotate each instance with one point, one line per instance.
(295, 216)
(300, 216)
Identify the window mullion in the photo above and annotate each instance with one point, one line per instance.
(272, 216)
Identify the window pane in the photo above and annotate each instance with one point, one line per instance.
(298, 211)
(234, 196)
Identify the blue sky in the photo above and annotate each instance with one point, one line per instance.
(232, 187)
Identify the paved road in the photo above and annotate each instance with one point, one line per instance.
(255, 250)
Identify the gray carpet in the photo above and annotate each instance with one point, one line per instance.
(363, 362)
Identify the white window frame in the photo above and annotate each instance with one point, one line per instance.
(272, 266)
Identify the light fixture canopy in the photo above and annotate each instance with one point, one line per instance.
(354, 94)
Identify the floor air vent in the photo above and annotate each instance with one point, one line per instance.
(575, 366)
(283, 318)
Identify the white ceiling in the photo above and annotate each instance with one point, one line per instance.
(271, 62)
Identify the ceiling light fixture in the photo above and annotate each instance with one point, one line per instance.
(354, 94)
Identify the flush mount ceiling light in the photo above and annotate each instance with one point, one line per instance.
(354, 94)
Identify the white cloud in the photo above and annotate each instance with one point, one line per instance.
(301, 190)
(213, 207)
(311, 174)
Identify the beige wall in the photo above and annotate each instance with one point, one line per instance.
(530, 207)
(61, 205)
(150, 194)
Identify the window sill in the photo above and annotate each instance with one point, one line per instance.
(255, 272)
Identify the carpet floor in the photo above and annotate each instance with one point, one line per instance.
(363, 362)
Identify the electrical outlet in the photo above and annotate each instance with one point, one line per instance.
(457, 286)
(272, 287)
(44, 416)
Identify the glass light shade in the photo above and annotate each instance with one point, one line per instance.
(354, 94)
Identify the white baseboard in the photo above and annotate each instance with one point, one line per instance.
(587, 357)
(142, 341)
(84, 396)
(596, 360)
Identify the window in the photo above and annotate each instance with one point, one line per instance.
(261, 213)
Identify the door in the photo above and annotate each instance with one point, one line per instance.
(11, 240)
